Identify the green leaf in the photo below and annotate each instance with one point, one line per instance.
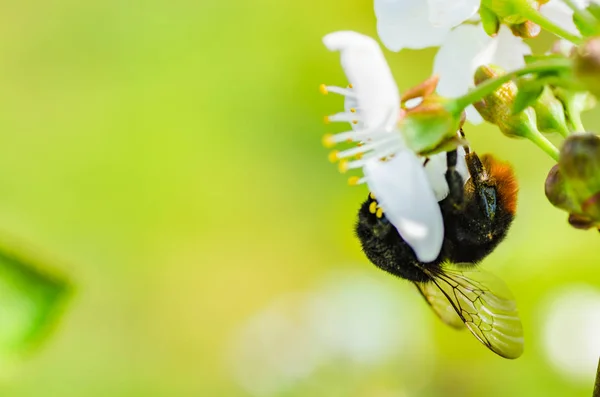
(594, 9)
(583, 27)
(31, 300)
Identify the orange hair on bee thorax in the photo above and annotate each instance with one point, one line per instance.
(503, 176)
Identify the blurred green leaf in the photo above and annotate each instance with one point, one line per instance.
(31, 300)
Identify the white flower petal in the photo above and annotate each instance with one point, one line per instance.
(561, 14)
(451, 13)
(465, 48)
(473, 115)
(510, 50)
(372, 81)
(436, 172)
(405, 24)
(468, 47)
(408, 202)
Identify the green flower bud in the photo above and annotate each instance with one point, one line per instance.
(550, 113)
(574, 183)
(587, 65)
(497, 108)
(580, 164)
(558, 191)
(510, 12)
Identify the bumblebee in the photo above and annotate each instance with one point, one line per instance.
(477, 216)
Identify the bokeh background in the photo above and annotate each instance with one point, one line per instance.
(167, 154)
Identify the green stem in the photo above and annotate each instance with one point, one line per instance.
(536, 17)
(584, 15)
(575, 119)
(489, 86)
(543, 143)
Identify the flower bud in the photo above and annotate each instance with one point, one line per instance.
(558, 191)
(497, 108)
(580, 164)
(574, 183)
(510, 13)
(526, 30)
(587, 65)
(550, 113)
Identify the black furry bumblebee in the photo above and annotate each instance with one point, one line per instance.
(477, 215)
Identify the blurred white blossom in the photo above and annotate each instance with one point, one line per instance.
(571, 325)
(348, 318)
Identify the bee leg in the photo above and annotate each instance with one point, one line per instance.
(455, 181)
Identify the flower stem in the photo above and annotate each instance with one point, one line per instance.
(584, 15)
(543, 143)
(536, 17)
(489, 86)
(576, 121)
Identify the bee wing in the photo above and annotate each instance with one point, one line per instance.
(485, 305)
(440, 304)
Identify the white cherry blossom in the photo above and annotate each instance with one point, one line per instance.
(404, 189)
(420, 23)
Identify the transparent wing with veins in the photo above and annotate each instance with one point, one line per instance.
(479, 300)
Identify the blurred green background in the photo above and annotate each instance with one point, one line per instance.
(169, 153)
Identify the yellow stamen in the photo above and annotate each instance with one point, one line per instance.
(333, 156)
(353, 180)
(379, 213)
(343, 166)
(323, 89)
(373, 207)
(352, 110)
(354, 121)
(350, 86)
(358, 156)
(328, 141)
(372, 196)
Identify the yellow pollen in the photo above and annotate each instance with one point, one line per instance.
(323, 89)
(373, 207)
(354, 121)
(328, 141)
(352, 110)
(358, 156)
(326, 120)
(359, 144)
(353, 180)
(372, 196)
(379, 213)
(343, 166)
(350, 86)
(333, 156)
